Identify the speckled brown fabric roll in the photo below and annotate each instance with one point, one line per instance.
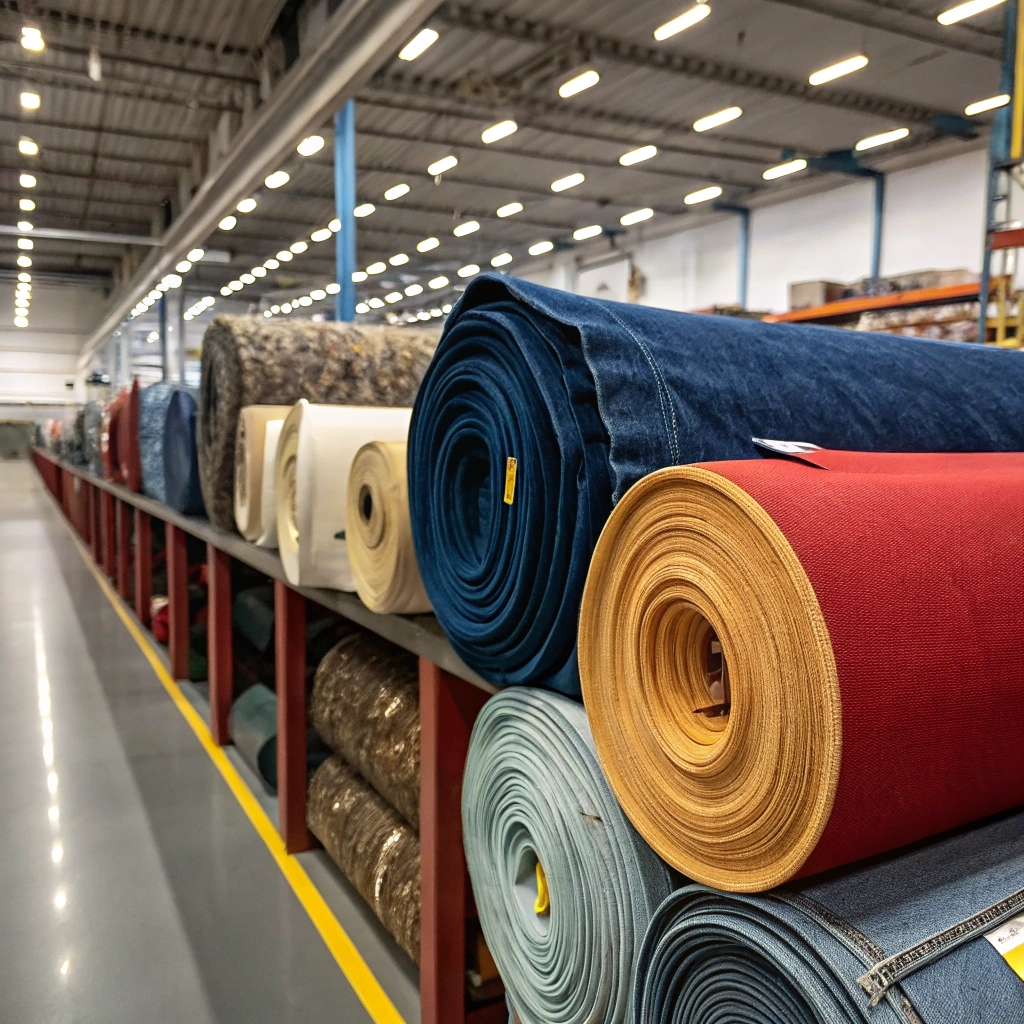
(375, 848)
(365, 706)
(255, 361)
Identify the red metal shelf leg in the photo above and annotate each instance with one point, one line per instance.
(109, 540)
(143, 566)
(177, 594)
(124, 548)
(290, 667)
(219, 650)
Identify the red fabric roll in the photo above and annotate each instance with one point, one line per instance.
(129, 459)
(917, 562)
(110, 432)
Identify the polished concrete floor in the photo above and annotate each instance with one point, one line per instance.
(132, 886)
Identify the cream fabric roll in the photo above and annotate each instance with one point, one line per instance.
(379, 536)
(250, 468)
(314, 456)
(268, 503)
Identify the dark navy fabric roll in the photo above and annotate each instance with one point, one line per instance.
(181, 465)
(588, 397)
(916, 935)
(153, 404)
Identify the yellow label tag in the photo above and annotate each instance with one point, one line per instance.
(543, 904)
(510, 480)
(1008, 939)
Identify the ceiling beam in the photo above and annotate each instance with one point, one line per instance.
(93, 155)
(508, 26)
(897, 20)
(69, 235)
(92, 179)
(63, 197)
(122, 133)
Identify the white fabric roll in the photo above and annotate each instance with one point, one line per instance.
(268, 489)
(251, 508)
(314, 457)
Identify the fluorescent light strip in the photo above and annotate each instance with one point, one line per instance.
(685, 20)
(446, 163)
(702, 195)
(635, 156)
(717, 119)
(881, 140)
(586, 80)
(569, 181)
(501, 130)
(636, 217)
(992, 103)
(834, 71)
(419, 44)
(967, 10)
(781, 170)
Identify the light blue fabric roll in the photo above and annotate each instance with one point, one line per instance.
(181, 465)
(806, 954)
(153, 403)
(534, 792)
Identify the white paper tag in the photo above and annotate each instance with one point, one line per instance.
(786, 447)
(1008, 940)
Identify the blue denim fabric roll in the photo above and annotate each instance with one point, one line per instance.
(153, 403)
(589, 396)
(534, 794)
(181, 461)
(806, 953)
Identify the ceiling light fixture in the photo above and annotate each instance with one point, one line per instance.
(882, 139)
(438, 282)
(992, 103)
(501, 260)
(30, 100)
(26, 205)
(590, 231)
(321, 234)
(247, 278)
(359, 276)
(246, 205)
(702, 195)
(684, 21)
(376, 268)
(271, 264)
(24, 278)
(309, 145)
(717, 119)
(318, 294)
(183, 267)
(438, 167)
(299, 247)
(305, 300)
(465, 228)
(427, 244)
(195, 255)
(585, 80)
(258, 271)
(539, 248)
(636, 156)
(636, 217)
(399, 259)
(948, 17)
(24, 225)
(25, 243)
(27, 181)
(569, 181)
(27, 146)
(413, 290)
(834, 71)
(419, 44)
(501, 130)
(781, 170)
(376, 303)
(469, 270)
(333, 288)
(285, 256)
(362, 307)
(509, 209)
(228, 223)
(363, 210)
(277, 179)
(334, 225)
(393, 297)
(32, 39)
(396, 192)
(286, 308)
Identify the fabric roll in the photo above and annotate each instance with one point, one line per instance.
(255, 361)
(252, 725)
(365, 706)
(73, 438)
(564, 885)
(110, 433)
(255, 455)
(784, 661)
(153, 403)
(129, 461)
(375, 848)
(379, 535)
(93, 430)
(822, 953)
(181, 466)
(589, 396)
(314, 456)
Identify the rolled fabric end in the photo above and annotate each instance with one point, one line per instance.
(314, 457)
(564, 885)
(268, 497)
(379, 534)
(250, 445)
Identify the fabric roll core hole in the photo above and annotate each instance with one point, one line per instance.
(716, 673)
(291, 483)
(529, 893)
(365, 503)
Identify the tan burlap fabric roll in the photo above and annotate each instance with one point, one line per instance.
(250, 442)
(688, 561)
(379, 536)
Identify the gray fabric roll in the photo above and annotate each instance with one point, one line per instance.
(153, 403)
(256, 361)
(93, 427)
(365, 706)
(534, 793)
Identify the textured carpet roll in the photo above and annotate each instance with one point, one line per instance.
(254, 458)
(376, 849)
(365, 706)
(129, 461)
(255, 361)
(181, 466)
(588, 396)
(379, 536)
(314, 456)
(153, 403)
(867, 608)
(535, 806)
(810, 954)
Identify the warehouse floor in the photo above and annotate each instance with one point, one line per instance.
(132, 885)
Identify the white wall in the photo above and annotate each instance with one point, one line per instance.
(934, 216)
(37, 361)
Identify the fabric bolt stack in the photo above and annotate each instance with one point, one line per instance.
(93, 430)
(73, 441)
(153, 403)
(379, 534)
(259, 429)
(564, 885)
(254, 361)
(182, 489)
(128, 457)
(364, 801)
(110, 433)
(541, 409)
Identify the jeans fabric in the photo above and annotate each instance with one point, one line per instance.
(796, 955)
(181, 462)
(589, 396)
(153, 404)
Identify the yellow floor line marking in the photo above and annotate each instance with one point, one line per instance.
(342, 948)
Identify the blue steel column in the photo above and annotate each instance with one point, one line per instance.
(345, 204)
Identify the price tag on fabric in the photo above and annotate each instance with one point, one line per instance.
(1008, 940)
(510, 480)
(786, 447)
